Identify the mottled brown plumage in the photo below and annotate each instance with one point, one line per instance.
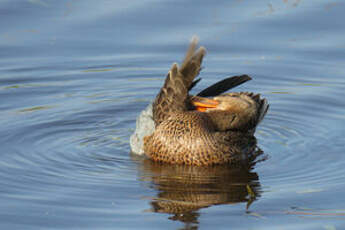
(222, 133)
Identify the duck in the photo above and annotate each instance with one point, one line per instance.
(212, 127)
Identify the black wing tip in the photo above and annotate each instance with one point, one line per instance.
(224, 85)
(193, 84)
(242, 78)
(246, 77)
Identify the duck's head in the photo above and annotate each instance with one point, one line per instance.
(230, 111)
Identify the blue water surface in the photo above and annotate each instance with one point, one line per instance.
(74, 75)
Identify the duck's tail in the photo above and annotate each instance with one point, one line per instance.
(262, 106)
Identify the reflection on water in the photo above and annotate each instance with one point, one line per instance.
(182, 190)
(74, 75)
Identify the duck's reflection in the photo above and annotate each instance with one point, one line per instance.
(183, 190)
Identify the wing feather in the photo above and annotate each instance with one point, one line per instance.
(173, 96)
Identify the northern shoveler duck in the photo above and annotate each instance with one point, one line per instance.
(211, 127)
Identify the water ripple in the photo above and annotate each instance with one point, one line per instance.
(71, 89)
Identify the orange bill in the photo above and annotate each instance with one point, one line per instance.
(202, 103)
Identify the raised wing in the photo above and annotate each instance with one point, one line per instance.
(173, 96)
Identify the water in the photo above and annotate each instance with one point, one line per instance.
(75, 74)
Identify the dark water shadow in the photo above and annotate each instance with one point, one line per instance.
(183, 190)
